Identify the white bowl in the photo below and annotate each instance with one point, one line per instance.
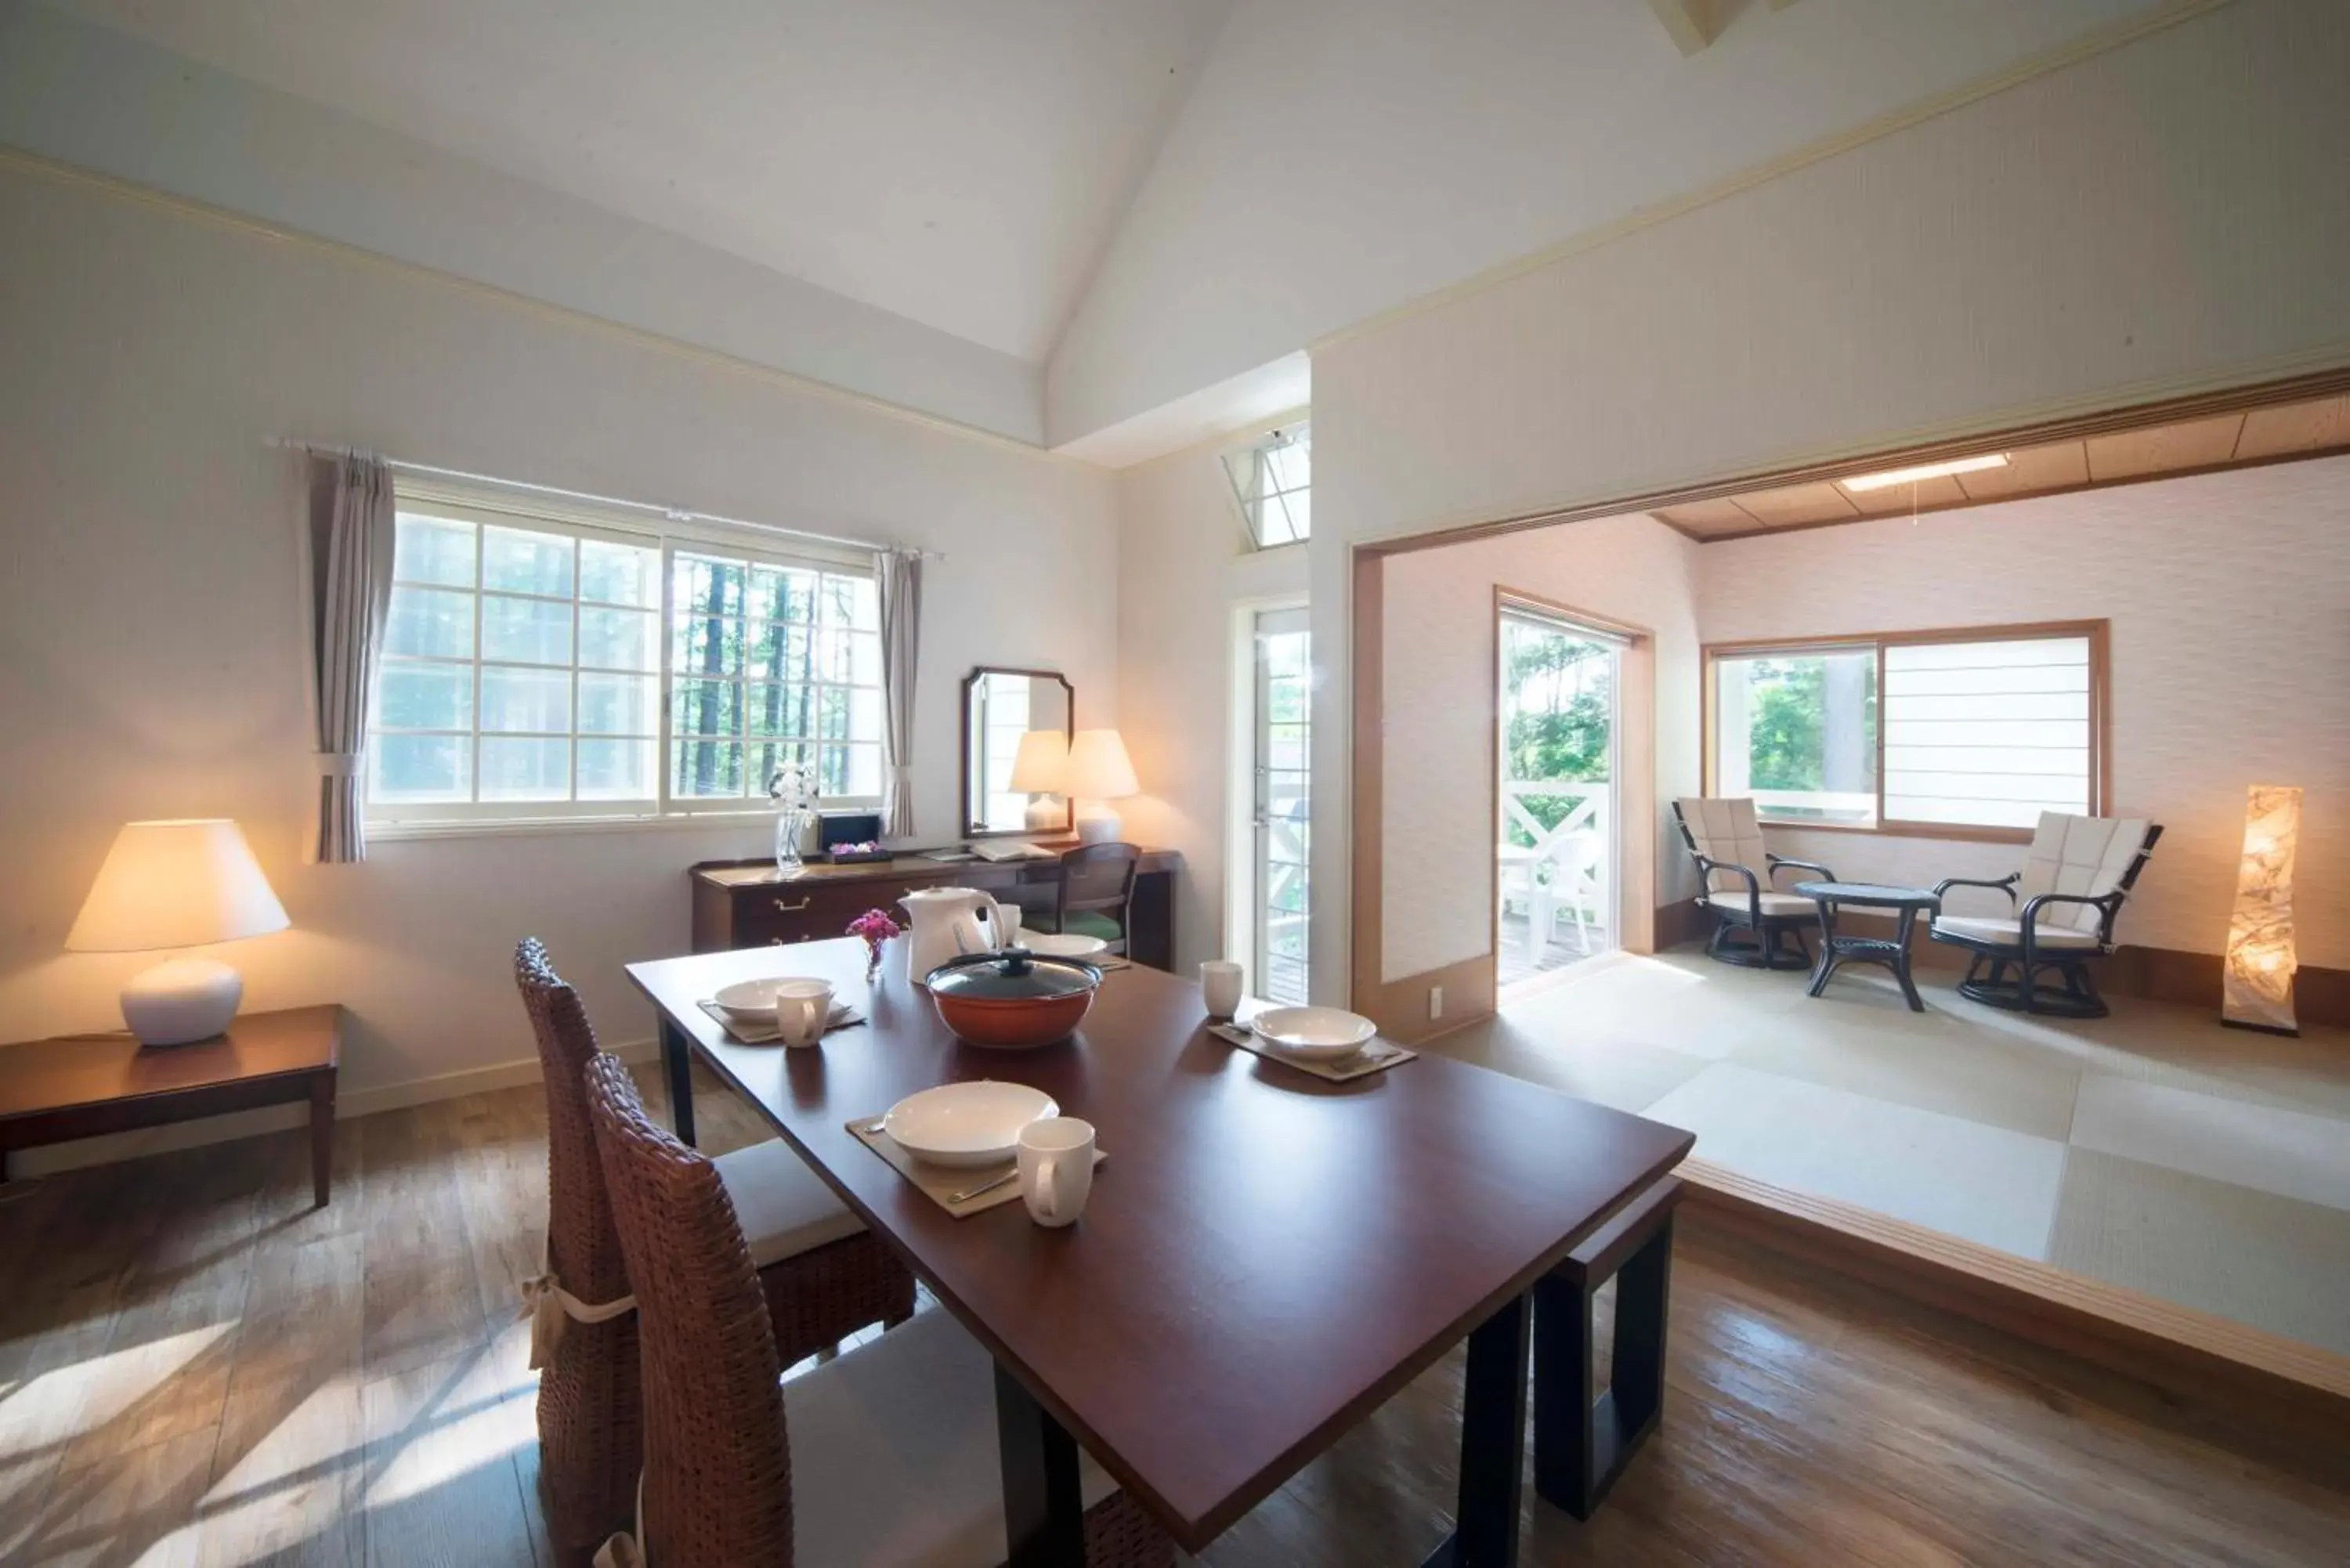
(1313, 1033)
(1062, 944)
(966, 1124)
(754, 1000)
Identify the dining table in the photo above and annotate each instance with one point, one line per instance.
(1267, 1256)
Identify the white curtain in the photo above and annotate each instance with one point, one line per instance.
(898, 576)
(351, 539)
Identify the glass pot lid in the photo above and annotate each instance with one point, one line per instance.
(1016, 975)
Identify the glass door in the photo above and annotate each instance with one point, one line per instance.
(1556, 871)
(1283, 702)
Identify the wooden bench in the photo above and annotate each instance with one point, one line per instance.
(1583, 1437)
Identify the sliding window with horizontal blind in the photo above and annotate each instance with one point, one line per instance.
(1971, 731)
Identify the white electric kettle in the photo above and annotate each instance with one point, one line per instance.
(946, 926)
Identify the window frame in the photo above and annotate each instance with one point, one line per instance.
(2096, 632)
(485, 507)
(1256, 453)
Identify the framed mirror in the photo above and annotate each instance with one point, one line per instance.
(1016, 725)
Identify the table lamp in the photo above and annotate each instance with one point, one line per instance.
(177, 884)
(1040, 771)
(1099, 773)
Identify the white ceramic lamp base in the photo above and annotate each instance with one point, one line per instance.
(1097, 824)
(182, 1001)
(1045, 813)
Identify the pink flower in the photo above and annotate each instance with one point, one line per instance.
(875, 926)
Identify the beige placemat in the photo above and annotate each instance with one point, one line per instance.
(1376, 1057)
(845, 1015)
(938, 1184)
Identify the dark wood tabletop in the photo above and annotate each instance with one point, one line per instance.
(1266, 1256)
(77, 1070)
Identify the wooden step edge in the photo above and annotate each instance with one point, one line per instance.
(2192, 1355)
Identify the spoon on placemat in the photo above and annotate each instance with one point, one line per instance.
(990, 1185)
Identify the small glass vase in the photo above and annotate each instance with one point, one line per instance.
(789, 827)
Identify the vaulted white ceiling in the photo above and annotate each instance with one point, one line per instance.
(1106, 225)
(962, 163)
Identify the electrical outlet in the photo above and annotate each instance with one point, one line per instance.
(1435, 1002)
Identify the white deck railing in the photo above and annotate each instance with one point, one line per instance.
(1565, 871)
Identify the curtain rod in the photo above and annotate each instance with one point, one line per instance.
(672, 513)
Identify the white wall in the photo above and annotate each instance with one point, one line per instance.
(151, 650)
(1336, 158)
(1183, 565)
(1437, 841)
(2164, 216)
(2229, 598)
(90, 96)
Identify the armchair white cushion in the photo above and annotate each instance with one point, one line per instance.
(2083, 855)
(1727, 830)
(1771, 903)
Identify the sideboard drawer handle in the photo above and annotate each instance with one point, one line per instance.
(783, 907)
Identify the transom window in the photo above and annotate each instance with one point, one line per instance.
(539, 665)
(1272, 481)
(1974, 730)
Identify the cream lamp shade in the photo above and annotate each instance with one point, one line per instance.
(1040, 770)
(1099, 772)
(177, 884)
(1040, 765)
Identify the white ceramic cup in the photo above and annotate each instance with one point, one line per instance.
(1222, 981)
(1057, 1169)
(1009, 936)
(803, 1007)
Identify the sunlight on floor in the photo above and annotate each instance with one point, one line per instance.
(96, 1391)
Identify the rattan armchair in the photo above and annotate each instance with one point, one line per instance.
(1724, 838)
(822, 1276)
(2061, 908)
(885, 1455)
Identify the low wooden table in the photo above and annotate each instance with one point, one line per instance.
(83, 1086)
(1837, 948)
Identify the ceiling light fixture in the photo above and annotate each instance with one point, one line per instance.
(1861, 483)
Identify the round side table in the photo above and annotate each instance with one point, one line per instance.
(1894, 954)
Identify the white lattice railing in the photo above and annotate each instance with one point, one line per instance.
(1566, 869)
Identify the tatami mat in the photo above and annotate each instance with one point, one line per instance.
(2152, 1149)
(2277, 1263)
(2289, 1153)
(1930, 1062)
(1983, 1183)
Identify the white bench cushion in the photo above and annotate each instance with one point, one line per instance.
(1773, 903)
(783, 1207)
(1999, 928)
(894, 1456)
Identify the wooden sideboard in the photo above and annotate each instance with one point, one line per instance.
(744, 904)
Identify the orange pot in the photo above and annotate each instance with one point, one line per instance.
(1013, 1001)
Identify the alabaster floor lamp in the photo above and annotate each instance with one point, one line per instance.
(2256, 984)
(167, 885)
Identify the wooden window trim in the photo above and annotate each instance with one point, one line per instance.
(2097, 633)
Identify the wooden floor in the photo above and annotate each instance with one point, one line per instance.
(196, 1369)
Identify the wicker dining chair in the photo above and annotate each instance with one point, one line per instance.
(896, 1460)
(823, 1276)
